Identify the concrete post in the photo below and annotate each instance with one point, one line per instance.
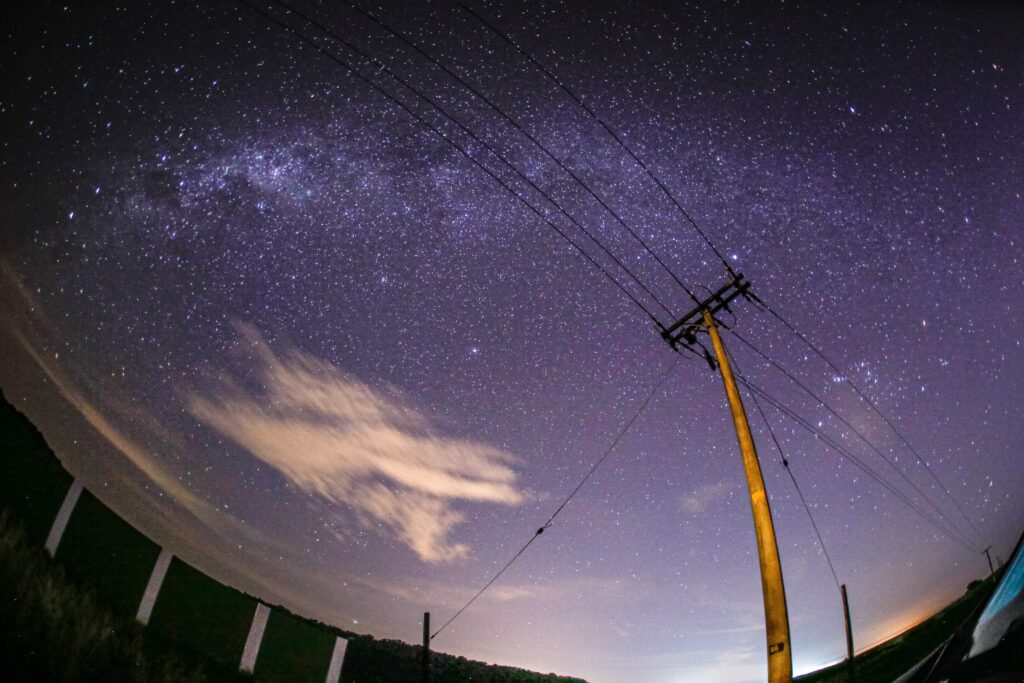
(252, 642)
(156, 580)
(337, 660)
(60, 523)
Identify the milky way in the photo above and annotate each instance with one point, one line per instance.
(299, 338)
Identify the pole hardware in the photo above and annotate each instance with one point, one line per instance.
(683, 332)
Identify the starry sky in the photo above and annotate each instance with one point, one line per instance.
(296, 336)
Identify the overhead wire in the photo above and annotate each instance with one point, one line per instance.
(764, 306)
(629, 151)
(529, 136)
(848, 455)
(857, 432)
(857, 462)
(608, 129)
(444, 136)
(472, 134)
(572, 494)
(555, 79)
(636, 158)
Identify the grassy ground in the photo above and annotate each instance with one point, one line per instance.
(895, 657)
(54, 630)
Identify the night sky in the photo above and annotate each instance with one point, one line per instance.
(296, 337)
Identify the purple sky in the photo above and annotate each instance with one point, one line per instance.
(291, 334)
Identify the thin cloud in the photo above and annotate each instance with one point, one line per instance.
(336, 437)
(702, 498)
(148, 447)
(25, 312)
(444, 594)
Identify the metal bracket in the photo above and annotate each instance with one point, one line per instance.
(683, 332)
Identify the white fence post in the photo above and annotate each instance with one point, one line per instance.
(63, 515)
(337, 660)
(156, 580)
(252, 643)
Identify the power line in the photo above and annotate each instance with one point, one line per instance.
(554, 78)
(444, 136)
(557, 81)
(487, 585)
(764, 306)
(860, 435)
(614, 443)
(433, 103)
(515, 124)
(572, 494)
(865, 468)
(789, 471)
(843, 452)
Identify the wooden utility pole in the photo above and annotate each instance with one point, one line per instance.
(849, 634)
(991, 570)
(426, 648)
(776, 619)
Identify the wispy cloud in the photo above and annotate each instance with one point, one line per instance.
(26, 313)
(147, 446)
(332, 435)
(699, 500)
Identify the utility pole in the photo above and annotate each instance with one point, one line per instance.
(683, 332)
(991, 569)
(849, 634)
(426, 648)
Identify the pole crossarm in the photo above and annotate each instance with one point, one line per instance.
(683, 331)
